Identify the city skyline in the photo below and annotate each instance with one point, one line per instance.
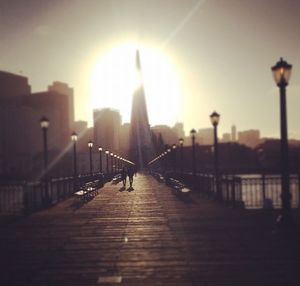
(149, 142)
(201, 138)
(221, 53)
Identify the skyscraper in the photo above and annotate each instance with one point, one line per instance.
(249, 138)
(21, 146)
(141, 147)
(233, 133)
(205, 136)
(13, 85)
(107, 124)
(63, 88)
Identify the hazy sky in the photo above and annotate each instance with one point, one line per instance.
(220, 50)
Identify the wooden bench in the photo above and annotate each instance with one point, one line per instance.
(87, 192)
(179, 188)
(116, 179)
(158, 177)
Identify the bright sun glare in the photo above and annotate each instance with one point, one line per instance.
(114, 79)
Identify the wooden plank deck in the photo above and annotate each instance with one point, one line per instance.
(148, 237)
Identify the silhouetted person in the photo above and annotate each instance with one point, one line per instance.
(130, 176)
(135, 171)
(123, 176)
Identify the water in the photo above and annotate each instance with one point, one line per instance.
(252, 191)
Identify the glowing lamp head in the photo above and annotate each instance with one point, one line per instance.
(44, 122)
(106, 152)
(181, 141)
(282, 72)
(90, 144)
(112, 154)
(215, 118)
(193, 132)
(100, 149)
(174, 146)
(74, 137)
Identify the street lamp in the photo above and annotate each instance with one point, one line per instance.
(168, 158)
(74, 138)
(115, 162)
(119, 162)
(282, 72)
(215, 118)
(174, 156)
(44, 122)
(100, 158)
(90, 145)
(107, 168)
(112, 162)
(181, 154)
(165, 160)
(193, 132)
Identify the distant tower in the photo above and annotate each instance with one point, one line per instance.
(233, 133)
(141, 147)
(64, 89)
(107, 125)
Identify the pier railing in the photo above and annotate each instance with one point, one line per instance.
(27, 197)
(264, 191)
(249, 191)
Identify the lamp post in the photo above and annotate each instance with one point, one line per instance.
(193, 132)
(174, 156)
(100, 158)
(112, 162)
(282, 72)
(107, 167)
(181, 154)
(44, 122)
(115, 163)
(90, 145)
(214, 118)
(165, 161)
(121, 162)
(74, 138)
(118, 160)
(169, 157)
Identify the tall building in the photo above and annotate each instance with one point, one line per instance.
(56, 108)
(249, 138)
(169, 135)
(21, 145)
(226, 138)
(233, 133)
(205, 136)
(107, 124)
(64, 89)
(80, 127)
(13, 85)
(178, 128)
(141, 146)
(124, 138)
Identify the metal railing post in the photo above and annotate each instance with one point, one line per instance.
(299, 191)
(233, 192)
(263, 188)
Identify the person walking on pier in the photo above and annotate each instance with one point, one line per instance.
(123, 176)
(130, 176)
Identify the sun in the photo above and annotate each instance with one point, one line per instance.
(114, 79)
